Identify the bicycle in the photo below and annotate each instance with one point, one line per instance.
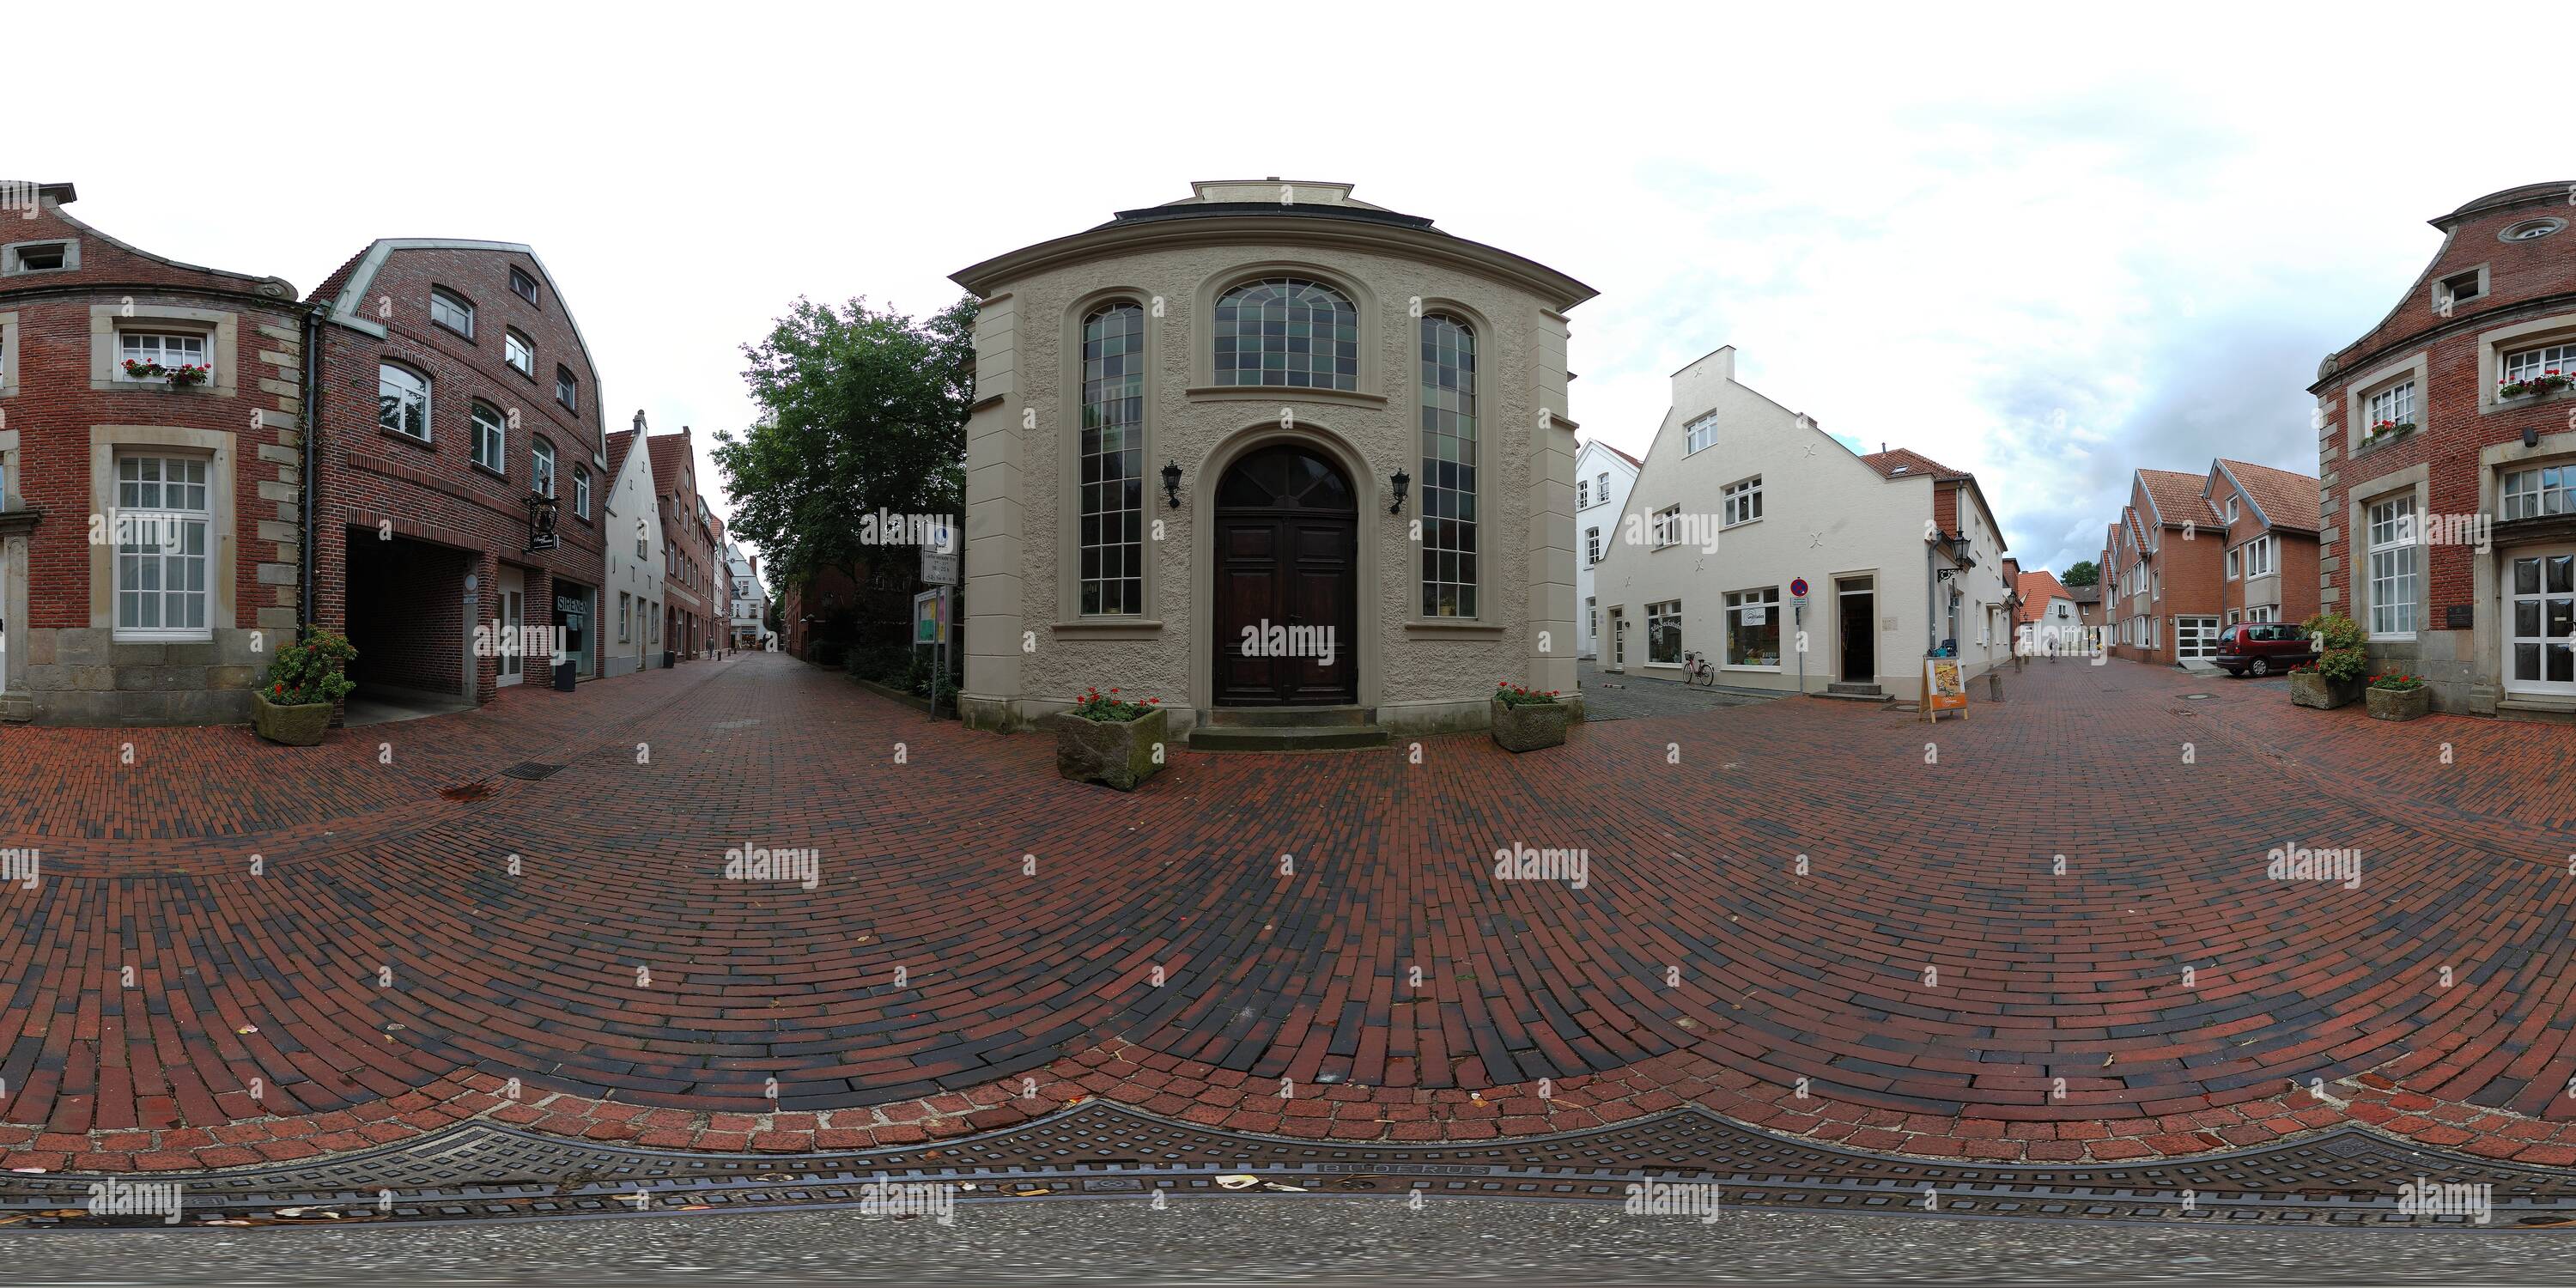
(1697, 670)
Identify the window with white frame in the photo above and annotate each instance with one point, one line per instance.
(146, 355)
(163, 524)
(2258, 557)
(402, 401)
(1699, 433)
(1664, 632)
(1592, 616)
(525, 285)
(625, 614)
(541, 467)
(643, 533)
(1582, 493)
(2393, 562)
(2521, 369)
(451, 310)
(2231, 509)
(519, 352)
(490, 431)
(567, 390)
(2235, 562)
(1753, 628)
(2393, 406)
(1741, 501)
(1667, 526)
(1602, 485)
(1591, 546)
(2530, 494)
(581, 490)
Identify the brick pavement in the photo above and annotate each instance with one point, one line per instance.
(387, 971)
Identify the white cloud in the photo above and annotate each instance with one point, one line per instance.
(1936, 228)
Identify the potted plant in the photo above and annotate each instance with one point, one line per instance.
(293, 705)
(1110, 740)
(2399, 697)
(138, 369)
(1528, 719)
(187, 375)
(2547, 382)
(2385, 430)
(2334, 677)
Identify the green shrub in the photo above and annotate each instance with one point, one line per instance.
(311, 670)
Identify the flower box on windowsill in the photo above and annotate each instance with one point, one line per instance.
(185, 376)
(2387, 431)
(2548, 382)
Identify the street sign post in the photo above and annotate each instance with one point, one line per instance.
(939, 567)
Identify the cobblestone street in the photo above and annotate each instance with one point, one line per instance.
(419, 929)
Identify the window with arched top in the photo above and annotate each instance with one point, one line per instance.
(541, 467)
(1111, 465)
(1448, 489)
(1286, 332)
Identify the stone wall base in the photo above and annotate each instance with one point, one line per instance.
(83, 676)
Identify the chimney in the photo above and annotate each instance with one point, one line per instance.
(1882, 447)
(639, 420)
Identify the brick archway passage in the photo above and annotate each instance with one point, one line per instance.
(1022, 992)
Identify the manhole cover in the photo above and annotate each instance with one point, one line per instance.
(531, 770)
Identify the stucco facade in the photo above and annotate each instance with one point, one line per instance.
(1602, 476)
(1030, 646)
(631, 605)
(1857, 528)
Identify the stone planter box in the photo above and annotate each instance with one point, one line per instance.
(2313, 689)
(1119, 753)
(301, 725)
(1530, 727)
(2400, 704)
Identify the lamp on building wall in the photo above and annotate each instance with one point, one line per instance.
(1401, 481)
(1172, 482)
(2531, 438)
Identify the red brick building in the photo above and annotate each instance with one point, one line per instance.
(459, 404)
(692, 613)
(2161, 571)
(2447, 451)
(151, 456)
(2270, 529)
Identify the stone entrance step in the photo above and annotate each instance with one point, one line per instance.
(1287, 729)
(1850, 692)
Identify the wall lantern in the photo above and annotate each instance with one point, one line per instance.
(2531, 438)
(1402, 482)
(1172, 482)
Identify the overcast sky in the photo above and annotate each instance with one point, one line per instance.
(2044, 248)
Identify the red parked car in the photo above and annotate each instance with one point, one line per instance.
(2262, 648)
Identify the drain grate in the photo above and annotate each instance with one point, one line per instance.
(532, 770)
(480, 1170)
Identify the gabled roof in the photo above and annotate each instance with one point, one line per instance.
(670, 453)
(618, 443)
(1620, 454)
(2037, 588)
(1908, 464)
(2085, 594)
(2282, 498)
(2176, 498)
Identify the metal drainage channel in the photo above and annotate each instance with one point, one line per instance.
(476, 1171)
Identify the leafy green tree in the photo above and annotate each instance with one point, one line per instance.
(862, 410)
(2082, 574)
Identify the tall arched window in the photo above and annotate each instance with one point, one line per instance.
(1283, 332)
(1112, 478)
(1448, 467)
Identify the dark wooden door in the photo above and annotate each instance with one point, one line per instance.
(1287, 582)
(1860, 651)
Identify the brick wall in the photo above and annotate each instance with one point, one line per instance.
(377, 481)
(2459, 422)
(66, 667)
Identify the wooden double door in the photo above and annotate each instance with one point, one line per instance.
(1287, 582)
